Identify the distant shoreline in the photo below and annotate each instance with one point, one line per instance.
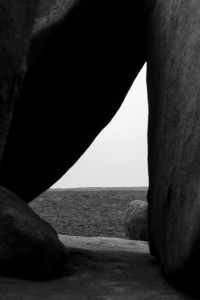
(140, 188)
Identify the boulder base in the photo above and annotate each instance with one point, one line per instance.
(99, 268)
(136, 217)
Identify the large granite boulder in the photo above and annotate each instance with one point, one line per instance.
(136, 220)
(173, 74)
(73, 55)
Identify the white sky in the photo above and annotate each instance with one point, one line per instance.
(118, 156)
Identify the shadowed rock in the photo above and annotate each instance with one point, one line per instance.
(59, 112)
(16, 23)
(29, 247)
(136, 220)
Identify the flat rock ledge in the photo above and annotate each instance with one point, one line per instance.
(99, 268)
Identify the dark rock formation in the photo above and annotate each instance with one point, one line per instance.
(78, 75)
(29, 247)
(16, 23)
(136, 220)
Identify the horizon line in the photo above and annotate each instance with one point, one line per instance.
(99, 187)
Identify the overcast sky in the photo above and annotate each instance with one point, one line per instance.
(118, 156)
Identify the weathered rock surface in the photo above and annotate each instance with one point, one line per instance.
(48, 24)
(173, 134)
(99, 268)
(136, 220)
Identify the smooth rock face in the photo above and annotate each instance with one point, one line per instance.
(136, 220)
(99, 268)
